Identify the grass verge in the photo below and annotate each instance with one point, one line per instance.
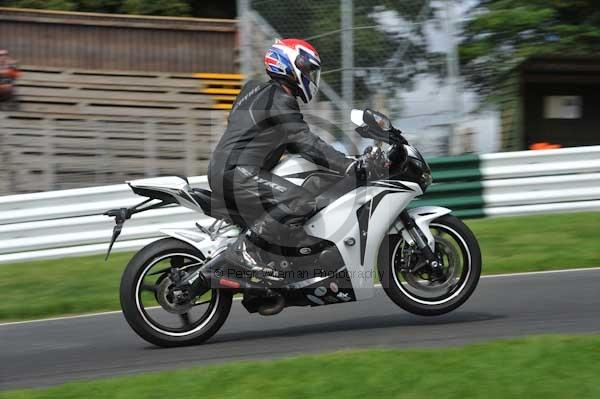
(540, 242)
(538, 367)
(88, 284)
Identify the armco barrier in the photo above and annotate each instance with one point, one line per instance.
(70, 222)
(515, 183)
(458, 185)
(63, 223)
(529, 182)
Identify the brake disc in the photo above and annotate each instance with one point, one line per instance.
(171, 300)
(422, 279)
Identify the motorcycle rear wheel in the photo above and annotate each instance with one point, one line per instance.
(145, 302)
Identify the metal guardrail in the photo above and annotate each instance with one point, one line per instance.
(530, 182)
(515, 183)
(64, 223)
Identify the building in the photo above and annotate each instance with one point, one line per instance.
(554, 100)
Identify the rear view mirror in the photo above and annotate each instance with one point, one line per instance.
(356, 116)
(377, 120)
(376, 126)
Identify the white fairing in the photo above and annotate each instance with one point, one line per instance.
(423, 216)
(171, 185)
(294, 164)
(165, 182)
(206, 244)
(338, 223)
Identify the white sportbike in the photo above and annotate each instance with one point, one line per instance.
(178, 290)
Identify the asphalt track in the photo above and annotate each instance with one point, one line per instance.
(50, 352)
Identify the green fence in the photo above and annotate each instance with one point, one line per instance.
(457, 185)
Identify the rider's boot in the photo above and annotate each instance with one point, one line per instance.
(253, 251)
(244, 253)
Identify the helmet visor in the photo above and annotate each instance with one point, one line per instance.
(310, 74)
(315, 76)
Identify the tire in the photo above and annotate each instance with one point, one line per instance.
(399, 293)
(139, 319)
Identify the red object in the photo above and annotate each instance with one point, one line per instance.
(229, 283)
(544, 146)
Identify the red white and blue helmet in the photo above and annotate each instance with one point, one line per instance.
(298, 63)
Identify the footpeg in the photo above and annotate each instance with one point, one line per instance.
(268, 273)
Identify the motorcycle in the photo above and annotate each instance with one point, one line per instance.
(179, 290)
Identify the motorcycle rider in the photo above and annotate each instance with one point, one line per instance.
(264, 123)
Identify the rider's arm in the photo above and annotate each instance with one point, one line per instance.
(300, 140)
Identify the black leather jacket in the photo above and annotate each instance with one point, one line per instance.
(264, 123)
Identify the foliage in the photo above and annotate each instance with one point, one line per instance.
(156, 7)
(374, 47)
(184, 8)
(537, 367)
(503, 33)
(64, 5)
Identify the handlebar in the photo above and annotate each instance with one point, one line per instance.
(370, 164)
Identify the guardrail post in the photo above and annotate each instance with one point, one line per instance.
(49, 155)
(4, 157)
(190, 150)
(104, 165)
(150, 148)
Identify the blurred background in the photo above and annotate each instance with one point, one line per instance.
(91, 99)
(502, 96)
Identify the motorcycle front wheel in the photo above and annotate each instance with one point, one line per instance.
(414, 286)
(148, 303)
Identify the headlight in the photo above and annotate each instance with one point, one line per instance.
(427, 178)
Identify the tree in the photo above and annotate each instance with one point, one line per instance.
(102, 6)
(503, 33)
(384, 56)
(156, 7)
(183, 8)
(63, 5)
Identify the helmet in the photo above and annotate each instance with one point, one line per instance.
(297, 63)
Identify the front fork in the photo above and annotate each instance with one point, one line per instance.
(419, 239)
